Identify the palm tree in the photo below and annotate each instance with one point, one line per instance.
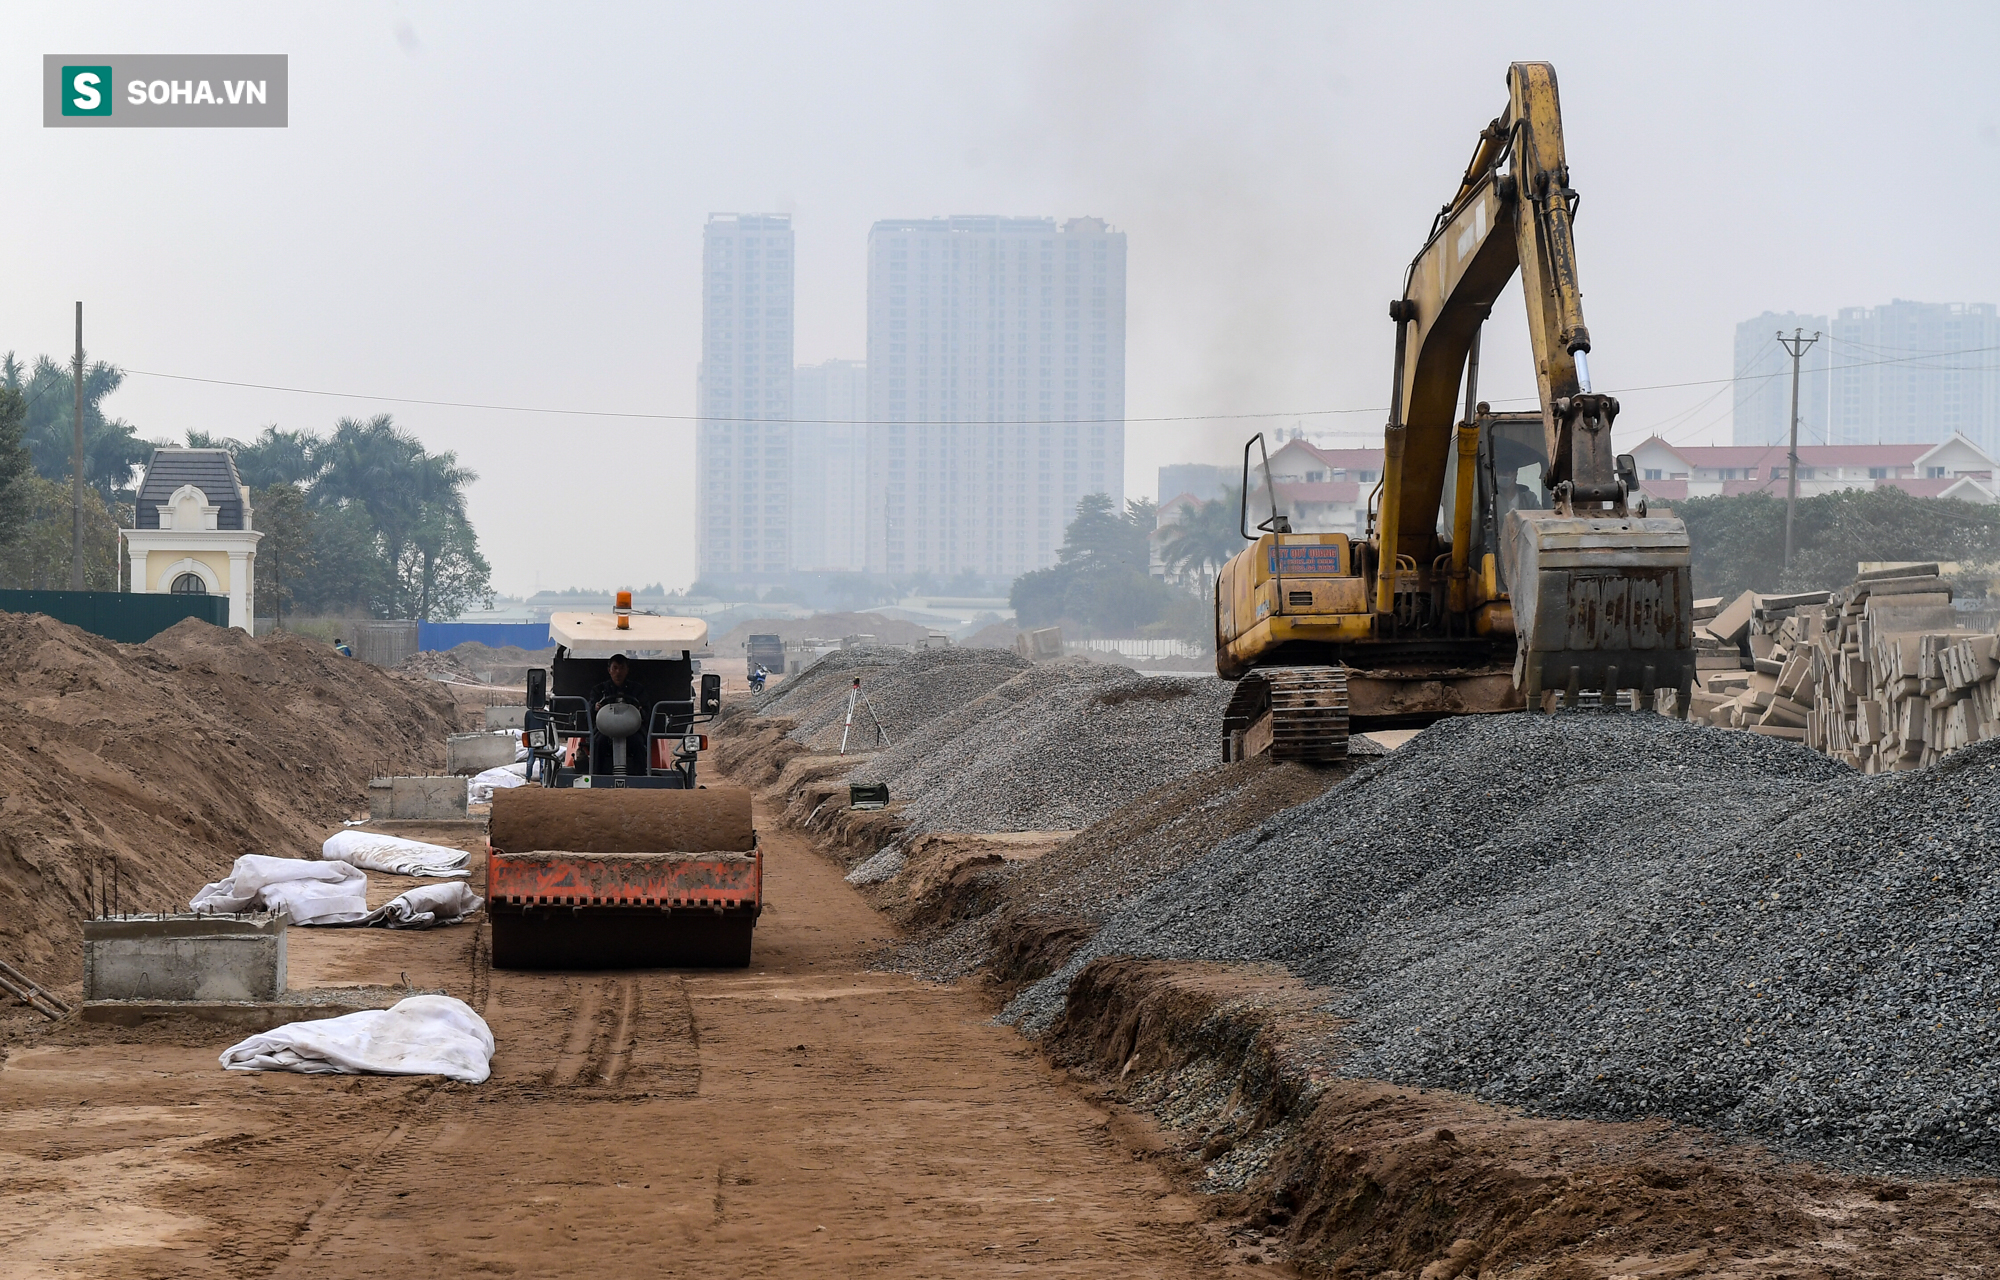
(415, 500)
(1204, 538)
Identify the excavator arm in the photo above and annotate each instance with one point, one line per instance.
(1513, 210)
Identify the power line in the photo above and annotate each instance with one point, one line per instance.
(994, 422)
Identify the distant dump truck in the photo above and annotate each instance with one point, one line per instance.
(1040, 645)
(767, 652)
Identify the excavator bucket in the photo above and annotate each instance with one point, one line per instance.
(1601, 603)
(587, 878)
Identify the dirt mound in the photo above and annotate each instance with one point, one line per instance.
(994, 635)
(478, 662)
(176, 756)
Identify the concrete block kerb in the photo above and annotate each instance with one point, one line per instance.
(434, 798)
(470, 753)
(185, 957)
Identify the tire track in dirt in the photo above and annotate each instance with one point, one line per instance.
(314, 1231)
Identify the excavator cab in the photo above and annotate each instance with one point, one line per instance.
(1512, 470)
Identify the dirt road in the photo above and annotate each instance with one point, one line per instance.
(801, 1118)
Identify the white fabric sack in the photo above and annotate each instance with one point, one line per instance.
(308, 892)
(480, 790)
(373, 851)
(420, 1036)
(427, 906)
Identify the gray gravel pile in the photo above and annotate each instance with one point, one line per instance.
(825, 678)
(1087, 877)
(1055, 748)
(883, 867)
(907, 695)
(1141, 843)
(1621, 915)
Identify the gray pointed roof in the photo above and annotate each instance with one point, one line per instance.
(212, 471)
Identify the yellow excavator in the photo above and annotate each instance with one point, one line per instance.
(1508, 558)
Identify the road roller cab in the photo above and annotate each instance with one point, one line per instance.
(620, 858)
(647, 735)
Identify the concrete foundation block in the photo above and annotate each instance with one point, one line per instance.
(185, 957)
(470, 753)
(436, 798)
(515, 718)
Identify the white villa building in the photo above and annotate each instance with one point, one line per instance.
(192, 532)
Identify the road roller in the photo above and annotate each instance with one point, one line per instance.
(616, 856)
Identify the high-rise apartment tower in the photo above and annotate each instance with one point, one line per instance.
(996, 389)
(830, 466)
(743, 461)
(1915, 373)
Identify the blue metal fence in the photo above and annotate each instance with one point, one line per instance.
(447, 635)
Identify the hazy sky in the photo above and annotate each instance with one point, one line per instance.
(503, 204)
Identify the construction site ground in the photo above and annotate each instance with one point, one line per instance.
(803, 1117)
(814, 1114)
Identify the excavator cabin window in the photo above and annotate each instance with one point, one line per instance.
(1513, 459)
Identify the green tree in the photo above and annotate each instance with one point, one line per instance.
(15, 466)
(415, 504)
(1204, 539)
(111, 450)
(440, 571)
(349, 575)
(285, 555)
(274, 457)
(1738, 543)
(39, 558)
(1102, 537)
(1100, 581)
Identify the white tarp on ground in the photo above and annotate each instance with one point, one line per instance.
(308, 892)
(421, 1036)
(373, 851)
(427, 906)
(484, 783)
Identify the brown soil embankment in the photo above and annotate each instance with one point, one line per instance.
(173, 757)
(1356, 1177)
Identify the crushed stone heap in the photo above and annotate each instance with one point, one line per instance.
(906, 694)
(1055, 748)
(1617, 916)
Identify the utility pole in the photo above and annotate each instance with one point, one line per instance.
(76, 467)
(1797, 344)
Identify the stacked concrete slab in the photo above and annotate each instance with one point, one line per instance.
(1880, 674)
(1901, 682)
(1769, 691)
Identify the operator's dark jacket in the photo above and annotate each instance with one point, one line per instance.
(607, 689)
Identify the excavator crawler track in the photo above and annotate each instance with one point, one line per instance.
(1289, 713)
